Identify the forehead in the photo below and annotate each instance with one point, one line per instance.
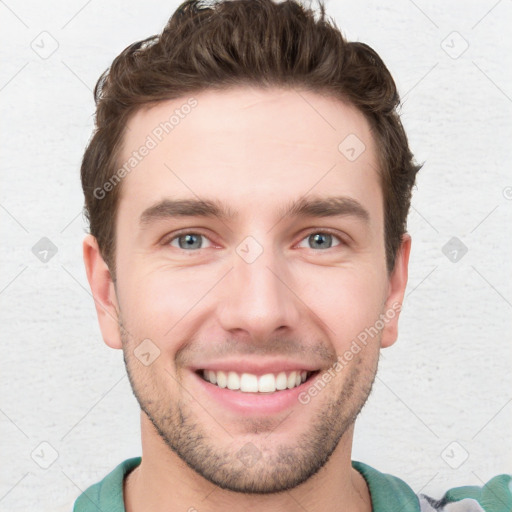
(248, 146)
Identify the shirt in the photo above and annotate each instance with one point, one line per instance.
(388, 493)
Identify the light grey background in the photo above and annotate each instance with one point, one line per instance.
(447, 379)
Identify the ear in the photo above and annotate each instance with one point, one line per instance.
(396, 291)
(103, 291)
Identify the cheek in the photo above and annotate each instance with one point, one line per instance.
(349, 302)
(159, 301)
(156, 301)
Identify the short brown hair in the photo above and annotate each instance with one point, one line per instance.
(246, 42)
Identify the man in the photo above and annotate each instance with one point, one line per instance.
(247, 190)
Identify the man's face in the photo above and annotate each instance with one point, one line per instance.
(260, 287)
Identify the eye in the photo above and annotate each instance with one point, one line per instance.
(322, 239)
(190, 240)
(187, 241)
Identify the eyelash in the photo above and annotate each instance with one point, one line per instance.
(167, 241)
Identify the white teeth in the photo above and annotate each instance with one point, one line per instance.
(249, 383)
(266, 383)
(222, 380)
(233, 381)
(291, 380)
(281, 381)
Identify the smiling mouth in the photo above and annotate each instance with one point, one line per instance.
(249, 383)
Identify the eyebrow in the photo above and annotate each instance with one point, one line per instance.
(333, 206)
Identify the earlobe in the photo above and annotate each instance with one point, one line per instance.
(103, 291)
(396, 292)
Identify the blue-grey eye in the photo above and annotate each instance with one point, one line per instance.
(321, 240)
(188, 241)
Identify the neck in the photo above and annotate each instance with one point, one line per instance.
(163, 482)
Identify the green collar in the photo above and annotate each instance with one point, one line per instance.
(388, 493)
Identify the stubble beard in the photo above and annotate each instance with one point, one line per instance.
(258, 465)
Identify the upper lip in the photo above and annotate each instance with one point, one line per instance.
(256, 367)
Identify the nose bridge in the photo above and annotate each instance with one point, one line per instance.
(258, 299)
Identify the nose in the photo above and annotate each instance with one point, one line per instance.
(259, 298)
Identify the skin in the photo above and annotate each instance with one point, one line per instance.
(255, 150)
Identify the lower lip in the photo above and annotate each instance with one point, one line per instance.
(255, 403)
